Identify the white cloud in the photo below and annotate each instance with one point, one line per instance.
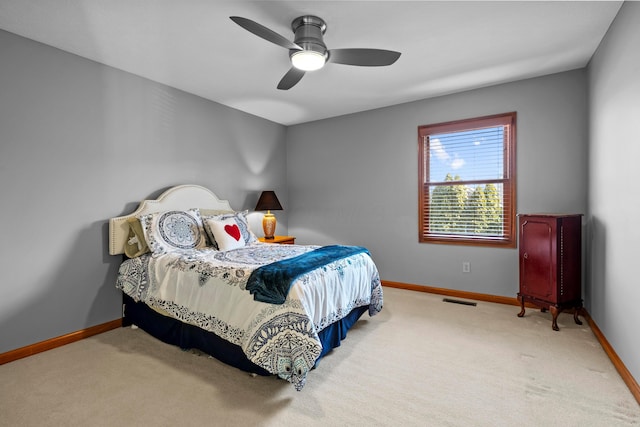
(457, 163)
(438, 150)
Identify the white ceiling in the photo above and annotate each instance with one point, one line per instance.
(446, 47)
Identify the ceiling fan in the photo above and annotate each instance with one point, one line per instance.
(308, 52)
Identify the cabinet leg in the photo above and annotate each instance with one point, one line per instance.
(554, 314)
(521, 307)
(575, 315)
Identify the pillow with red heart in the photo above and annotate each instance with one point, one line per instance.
(227, 233)
(241, 220)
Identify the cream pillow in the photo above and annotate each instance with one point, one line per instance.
(226, 233)
(136, 244)
(242, 222)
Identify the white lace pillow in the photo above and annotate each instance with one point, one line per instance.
(241, 221)
(226, 233)
(173, 230)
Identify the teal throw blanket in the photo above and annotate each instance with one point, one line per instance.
(271, 283)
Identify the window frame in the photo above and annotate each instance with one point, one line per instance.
(508, 181)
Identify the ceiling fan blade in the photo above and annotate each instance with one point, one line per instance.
(262, 31)
(363, 57)
(290, 79)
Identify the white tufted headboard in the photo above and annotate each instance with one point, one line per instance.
(181, 197)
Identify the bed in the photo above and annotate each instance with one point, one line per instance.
(195, 276)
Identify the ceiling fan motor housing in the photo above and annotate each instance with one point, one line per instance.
(308, 32)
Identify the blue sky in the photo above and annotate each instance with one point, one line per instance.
(473, 155)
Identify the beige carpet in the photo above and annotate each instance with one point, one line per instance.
(421, 362)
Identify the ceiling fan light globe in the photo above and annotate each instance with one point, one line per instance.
(308, 60)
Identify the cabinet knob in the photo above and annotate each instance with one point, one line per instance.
(525, 255)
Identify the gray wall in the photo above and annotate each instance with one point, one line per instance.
(613, 288)
(353, 179)
(80, 143)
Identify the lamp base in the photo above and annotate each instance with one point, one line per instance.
(269, 225)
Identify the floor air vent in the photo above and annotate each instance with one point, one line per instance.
(457, 301)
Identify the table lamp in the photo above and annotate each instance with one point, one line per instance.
(268, 202)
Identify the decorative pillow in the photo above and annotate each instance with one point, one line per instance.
(226, 233)
(242, 222)
(136, 244)
(173, 230)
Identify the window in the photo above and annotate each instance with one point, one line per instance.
(467, 186)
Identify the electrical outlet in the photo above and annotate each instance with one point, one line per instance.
(466, 267)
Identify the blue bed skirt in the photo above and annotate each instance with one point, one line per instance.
(172, 331)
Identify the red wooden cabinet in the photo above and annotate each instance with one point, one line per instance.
(550, 256)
